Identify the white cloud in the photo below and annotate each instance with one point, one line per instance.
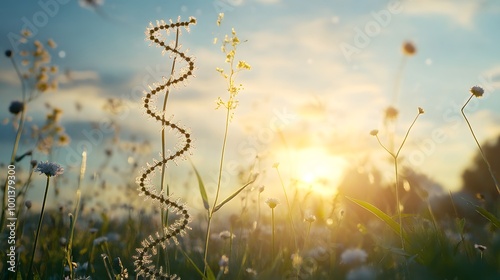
(461, 12)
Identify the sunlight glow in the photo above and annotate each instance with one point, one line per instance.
(316, 169)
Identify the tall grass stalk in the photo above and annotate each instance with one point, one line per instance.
(230, 105)
(395, 158)
(478, 92)
(164, 213)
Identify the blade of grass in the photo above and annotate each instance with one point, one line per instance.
(233, 195)
(381, 215)
(210, 274)
(488, 215)
(201, 185)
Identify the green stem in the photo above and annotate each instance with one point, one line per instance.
(211, 213)
(497, 185)
(30, 276)
(273, 229)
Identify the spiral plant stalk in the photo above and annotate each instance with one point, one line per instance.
(143, 262)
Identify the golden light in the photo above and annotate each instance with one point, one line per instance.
(316, 169)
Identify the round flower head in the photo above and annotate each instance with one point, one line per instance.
(272, 202)
(374, 132)
(16, 107)
(477, 91)
(49, 168)
(409, 48)
(391, 113)
(355, 255)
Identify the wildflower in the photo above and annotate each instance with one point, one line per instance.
(477, 91)
(262, 188)
(100, 240)
(63, 241)
(49, 168)
(8, 53)
(480, 247)
(276, 165)
(296, 260)
(391, 113)
(16, 107)
(374, 132)
(224, 264)
(420, 110)
(310, 218)
(28, 204)
(33, 163)
(356, 255)
(225, 235)
(243, 65)
(51, 43)
(272, 202)
(219, 18)
(409, 49)
(251, 272)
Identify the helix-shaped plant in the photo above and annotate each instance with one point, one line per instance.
(143, 262)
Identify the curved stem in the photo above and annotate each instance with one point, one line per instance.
(30, 276)
(497, 185)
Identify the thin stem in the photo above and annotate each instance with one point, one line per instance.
(30, 276)
(289, 208)
(273, 229)
(211, 213)
(497, 186)
(398, 204)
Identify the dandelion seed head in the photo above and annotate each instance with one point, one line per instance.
(477, 91)
(49, 168)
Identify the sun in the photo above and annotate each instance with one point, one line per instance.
(317, 169)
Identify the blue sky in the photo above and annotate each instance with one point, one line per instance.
(325, 102)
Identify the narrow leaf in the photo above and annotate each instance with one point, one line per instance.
(194, 265)
(233, 195)
(380, 214)
(490, 217)
(201, 185)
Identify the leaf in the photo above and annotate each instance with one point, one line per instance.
(490, 217)
(201, 185)
(233, 195)
(381, 215)
(196, 267)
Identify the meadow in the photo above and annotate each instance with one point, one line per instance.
(133, 221)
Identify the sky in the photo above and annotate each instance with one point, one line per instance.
(323, 73)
